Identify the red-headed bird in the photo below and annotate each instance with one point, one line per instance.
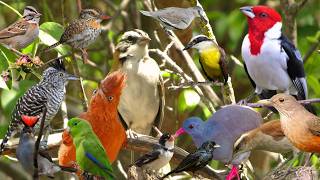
(272, 62)
(103, 116)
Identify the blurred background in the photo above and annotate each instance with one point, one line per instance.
(229, 27)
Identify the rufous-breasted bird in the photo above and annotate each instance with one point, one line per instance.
(48, 93)
(196, 160)
(300, 126)
(159, 156)
(103, 116)
(24, 31)
(272, 62)
(175, 18)
(82, 32)
(212, 58)
(268, 137)
(224, 127)
(141, 103)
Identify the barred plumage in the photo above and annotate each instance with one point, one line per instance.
(48, 93)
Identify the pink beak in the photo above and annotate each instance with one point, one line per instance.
(105, 17)
(179, 132)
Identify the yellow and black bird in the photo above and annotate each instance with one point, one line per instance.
(212, 58)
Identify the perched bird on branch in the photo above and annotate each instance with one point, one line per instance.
(212, 58)
(90, 154)
(48, 93)
(271, 61)
(224, 127)
(175, 18)
(300, 126)
(82, 32)
(103, 116)
(24, 31)
(196, 160)
(159, 156)
(142, 100)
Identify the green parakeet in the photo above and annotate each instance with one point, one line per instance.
(90, 154)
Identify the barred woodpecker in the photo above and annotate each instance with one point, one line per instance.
(48, 93)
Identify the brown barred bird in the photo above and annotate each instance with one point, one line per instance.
(82, 32)
(48, 93)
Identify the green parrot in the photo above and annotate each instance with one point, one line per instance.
(90, 154)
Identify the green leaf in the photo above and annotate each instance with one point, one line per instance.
(50, 33)
(7, 55)
(188, 100)
(10, 7)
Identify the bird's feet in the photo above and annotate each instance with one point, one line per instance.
(233, 173)
(133, 135)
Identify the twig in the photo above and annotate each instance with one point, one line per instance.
(124, 4)
(312, 48)
(37, 144)
(79, 6)
(304, 102)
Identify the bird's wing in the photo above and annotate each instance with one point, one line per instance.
(123, 122)
(147, 158)
(73, 31)
(190, 161)
(18, 28)
(160, 115)
(295, 67)
(223, 64)
(100, 161)
(174, 22)
(45, 154)
(314, 125)
(251, 80)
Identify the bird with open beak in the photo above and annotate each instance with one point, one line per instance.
(300, 126)
(142, 101)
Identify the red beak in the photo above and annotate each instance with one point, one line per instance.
(179, 132)
(105, 17)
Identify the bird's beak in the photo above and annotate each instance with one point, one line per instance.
(188, 46)
(105, 17)
(266, 102)
(172, 138)
(179, 132)
(144, 40)
(247, 10)
(38, 14)
(72, 77)
(216, 146)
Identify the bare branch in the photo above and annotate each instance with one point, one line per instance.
(307, 101)
(312, 48)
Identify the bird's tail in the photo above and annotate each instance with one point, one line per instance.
(171, 172)
(12, 127)
(146, 13)
(68, 169)
(50, 47)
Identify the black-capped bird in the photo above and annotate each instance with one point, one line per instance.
(212, 58)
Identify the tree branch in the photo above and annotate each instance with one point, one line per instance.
(304, 102)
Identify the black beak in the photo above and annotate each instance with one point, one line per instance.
(188, 46)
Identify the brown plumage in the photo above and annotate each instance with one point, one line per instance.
(300, 126)
(103, 117)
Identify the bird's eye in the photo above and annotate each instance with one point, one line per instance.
(190, 126)
(94, 91)
(263, 15)
(281, 100)
(132, 39)
(75, 123)
(110, 98)
(61, 74)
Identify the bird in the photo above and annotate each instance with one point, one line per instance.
(103, 116)
(25, 154)
(159, 156)
(212, 58)
(48, 93)
(142, 100)
(301, 127)
(82, 32)
(224, 127)
(271, 60)
(22, 32)
(90, 154)
(175, 18)
(196, 160)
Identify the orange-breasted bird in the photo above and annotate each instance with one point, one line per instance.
(103, 116)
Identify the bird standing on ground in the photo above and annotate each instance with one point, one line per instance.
(212, 58)
(24, 31)
(90, 154)
(160, 156)
(272, 62)
(175, 18)
(82, 32)
(224, 127)
(103, 116)
(196, 160)
(141, 103)
(48, 93)
(300, 126)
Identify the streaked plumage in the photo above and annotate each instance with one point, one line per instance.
(174, 18)
(24, 31)
(48, 93)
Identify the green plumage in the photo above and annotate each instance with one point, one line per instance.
(90, 154)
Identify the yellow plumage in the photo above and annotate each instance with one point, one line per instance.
(210, 61)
